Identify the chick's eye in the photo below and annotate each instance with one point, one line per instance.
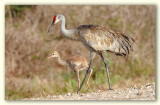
(53, 54)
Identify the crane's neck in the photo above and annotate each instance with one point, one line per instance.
(61, 62)
(67, 33)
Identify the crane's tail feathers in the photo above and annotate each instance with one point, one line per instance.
(120, 54)
(126, 42)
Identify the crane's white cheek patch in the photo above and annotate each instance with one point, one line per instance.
(56, 21)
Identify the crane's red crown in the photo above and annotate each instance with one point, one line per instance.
(54, 18)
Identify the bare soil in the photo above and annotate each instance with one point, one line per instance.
(144, 92)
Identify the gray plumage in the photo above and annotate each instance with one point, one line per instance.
(99, 39)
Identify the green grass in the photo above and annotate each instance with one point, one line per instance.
(67, 80)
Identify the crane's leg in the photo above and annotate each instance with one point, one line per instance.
(106, 70)
(92, 55)
(78, 79)
(88, 79)
(85, 76)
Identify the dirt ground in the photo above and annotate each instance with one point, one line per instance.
(145, 92)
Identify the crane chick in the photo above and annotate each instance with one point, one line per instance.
(75, 63)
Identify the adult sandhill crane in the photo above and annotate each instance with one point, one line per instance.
(97, 39)
(75, 63)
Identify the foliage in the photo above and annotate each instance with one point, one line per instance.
(16, 9)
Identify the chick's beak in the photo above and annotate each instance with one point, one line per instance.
(50, 27)
(50, 57)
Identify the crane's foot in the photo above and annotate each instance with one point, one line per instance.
(110, 89)
(77, 92)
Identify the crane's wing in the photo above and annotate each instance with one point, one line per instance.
(103, 39)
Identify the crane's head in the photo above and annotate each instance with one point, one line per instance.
(54, 54)
(56, 19)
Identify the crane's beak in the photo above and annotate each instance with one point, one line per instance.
(50, 27)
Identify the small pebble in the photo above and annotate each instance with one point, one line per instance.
(69, 94)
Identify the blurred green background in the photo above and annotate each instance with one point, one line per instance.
(28, 72)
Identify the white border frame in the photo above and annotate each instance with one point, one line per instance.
(75, 2)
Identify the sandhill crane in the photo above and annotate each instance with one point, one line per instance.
(75, 63)
(97, 39)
